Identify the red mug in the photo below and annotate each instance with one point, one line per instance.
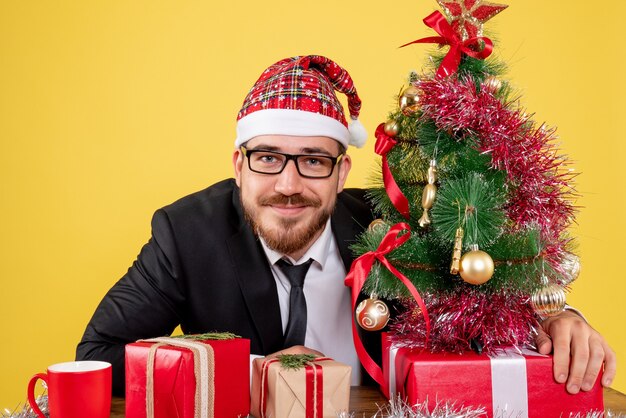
(76, 389)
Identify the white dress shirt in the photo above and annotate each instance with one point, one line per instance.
(329, 309)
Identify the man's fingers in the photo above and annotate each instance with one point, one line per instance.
(543, 342)
(561, 339)
(610, 365)
(580, 351)
(596, 359)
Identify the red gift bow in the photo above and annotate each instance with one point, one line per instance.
(384, 144)
(356, 278)
(448, 36)
(314, 396)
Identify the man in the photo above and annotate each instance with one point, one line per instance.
(233, 256)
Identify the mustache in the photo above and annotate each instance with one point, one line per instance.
(295, 200)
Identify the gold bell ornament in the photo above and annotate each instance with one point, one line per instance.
(372, 314)
(549, 300)
(476, 266)
(409, 101)
(428, 194)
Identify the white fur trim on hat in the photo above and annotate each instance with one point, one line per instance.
(358, 133)
(290, 122)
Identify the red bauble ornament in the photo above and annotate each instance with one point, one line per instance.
(372, 314)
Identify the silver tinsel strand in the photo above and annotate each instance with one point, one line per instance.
(398, 408)
(26, 411)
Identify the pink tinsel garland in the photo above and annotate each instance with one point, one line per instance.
(540, 187)
(498, 320)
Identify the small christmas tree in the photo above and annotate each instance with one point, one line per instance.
(475, 201)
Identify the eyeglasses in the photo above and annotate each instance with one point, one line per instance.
(309, 166)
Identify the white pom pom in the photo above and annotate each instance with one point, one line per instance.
(358, 134)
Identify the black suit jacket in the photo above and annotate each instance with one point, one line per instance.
(203, 268)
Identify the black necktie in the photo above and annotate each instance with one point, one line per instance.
(296, 326)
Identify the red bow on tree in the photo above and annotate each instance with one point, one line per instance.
(360, 269)
(458, 46)
(384, 144)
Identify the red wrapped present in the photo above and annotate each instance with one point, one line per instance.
(320, 388)
(516, 383)
(187, 378)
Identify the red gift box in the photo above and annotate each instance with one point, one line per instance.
(174, 380)
(506, 384)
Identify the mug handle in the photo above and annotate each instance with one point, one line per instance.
(31, 392)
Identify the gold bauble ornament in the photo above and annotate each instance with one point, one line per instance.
(549, 300)
(409, 100)
(493, 84)
(377, 224)
(570, 265)
(372, 314)
(476, 266)
(391, 128)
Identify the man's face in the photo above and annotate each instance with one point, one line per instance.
(289, 211)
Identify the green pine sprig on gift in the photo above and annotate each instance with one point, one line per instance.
(208, 336)
(295, 361)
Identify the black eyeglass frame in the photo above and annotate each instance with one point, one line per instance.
(335, 160)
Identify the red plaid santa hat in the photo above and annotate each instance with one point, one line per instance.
(296, 96)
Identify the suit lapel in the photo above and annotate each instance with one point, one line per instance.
(345, 229)
(256, 282)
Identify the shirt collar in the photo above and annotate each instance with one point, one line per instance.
(318, 251)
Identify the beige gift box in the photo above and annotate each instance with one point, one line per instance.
(289, 392)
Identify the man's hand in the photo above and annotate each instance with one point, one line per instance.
(296, 349)
(579, 351)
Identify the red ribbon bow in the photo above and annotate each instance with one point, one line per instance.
(448, 36)
(384, 144)
(356, 278)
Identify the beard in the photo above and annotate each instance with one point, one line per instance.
(286, 236)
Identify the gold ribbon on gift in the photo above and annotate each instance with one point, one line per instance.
(204, 371)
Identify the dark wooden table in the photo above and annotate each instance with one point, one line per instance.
(364, 401)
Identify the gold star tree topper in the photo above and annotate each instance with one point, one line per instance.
(468, 16)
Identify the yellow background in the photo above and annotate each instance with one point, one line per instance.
(110, 110)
